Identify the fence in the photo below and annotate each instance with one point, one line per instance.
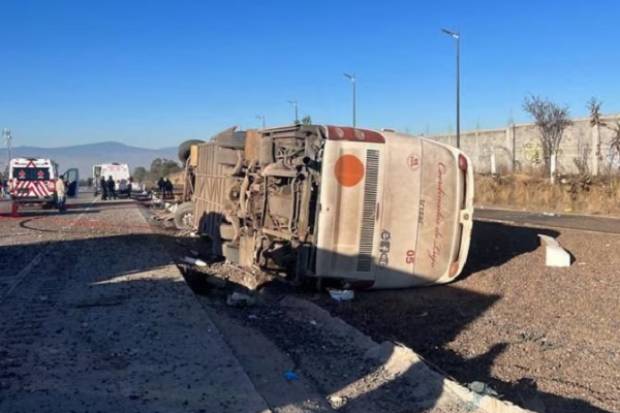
(517, 148)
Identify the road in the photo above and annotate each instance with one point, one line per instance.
(96, 317)
(570, 221)
(99, 319)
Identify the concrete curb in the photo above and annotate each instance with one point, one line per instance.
(432, 388)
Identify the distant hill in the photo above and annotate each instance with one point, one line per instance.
(84, 157)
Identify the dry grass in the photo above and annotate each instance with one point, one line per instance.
(602, 196)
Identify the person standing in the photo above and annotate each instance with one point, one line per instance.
(111, 187)
(104, 188)
(168, 188)
(161, 184)
(61, 194)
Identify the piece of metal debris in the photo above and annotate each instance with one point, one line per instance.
(342, 295)
(194, 261)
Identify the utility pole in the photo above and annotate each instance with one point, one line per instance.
(457, 37)
(295, 106)
(262, 119)
(353, 81)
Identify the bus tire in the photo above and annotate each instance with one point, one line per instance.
(184, 216)
(185, 149)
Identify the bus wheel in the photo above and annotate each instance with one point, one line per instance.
(184, 216)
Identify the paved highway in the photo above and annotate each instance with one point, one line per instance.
(578, 222)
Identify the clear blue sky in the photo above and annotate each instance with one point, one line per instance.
(153, 73)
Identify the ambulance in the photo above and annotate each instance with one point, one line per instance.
(32, 180)
(119, 173)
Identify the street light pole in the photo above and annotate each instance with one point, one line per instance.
(6, 133)
(353, 81)
(262, 118)
(294, 103)
(457, 36)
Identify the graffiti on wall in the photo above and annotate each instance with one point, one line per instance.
(533, 152)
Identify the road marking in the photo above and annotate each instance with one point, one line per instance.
(17, 279)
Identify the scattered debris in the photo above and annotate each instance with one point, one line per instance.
(555, 255)
(336, 402)
(291, 376)
(240, 300)
(482, 388)
(194, 261)
(342, 295)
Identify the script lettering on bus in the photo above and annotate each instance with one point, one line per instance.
(440, 194)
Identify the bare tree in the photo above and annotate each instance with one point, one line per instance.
(551, 121)
(594, 106)
(614, 145)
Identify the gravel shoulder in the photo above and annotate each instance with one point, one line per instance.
(544, 338)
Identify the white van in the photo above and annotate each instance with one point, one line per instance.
(119, 173)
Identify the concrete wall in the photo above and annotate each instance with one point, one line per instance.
(517, 147)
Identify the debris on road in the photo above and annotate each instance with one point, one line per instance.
(291, 376)
(481, 388)
(342, 295)
(336, 402)
(555, 255)
(194, 261)
(237, 299)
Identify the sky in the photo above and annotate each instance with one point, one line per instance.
(152, 74)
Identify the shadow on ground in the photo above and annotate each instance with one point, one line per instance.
(428, 319)
(433, 317)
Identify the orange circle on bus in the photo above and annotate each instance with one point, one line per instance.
(349, 170)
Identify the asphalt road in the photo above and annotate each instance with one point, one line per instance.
(553, 220)
(97, 318)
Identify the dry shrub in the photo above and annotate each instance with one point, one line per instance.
(600, 196)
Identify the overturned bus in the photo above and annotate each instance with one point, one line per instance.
(369, 209)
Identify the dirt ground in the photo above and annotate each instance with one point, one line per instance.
(545, 339)
(542, 337)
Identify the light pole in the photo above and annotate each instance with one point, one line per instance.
(352, 79)
(262, 119)
(295, 106)
(6, 134)
(457, 36)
